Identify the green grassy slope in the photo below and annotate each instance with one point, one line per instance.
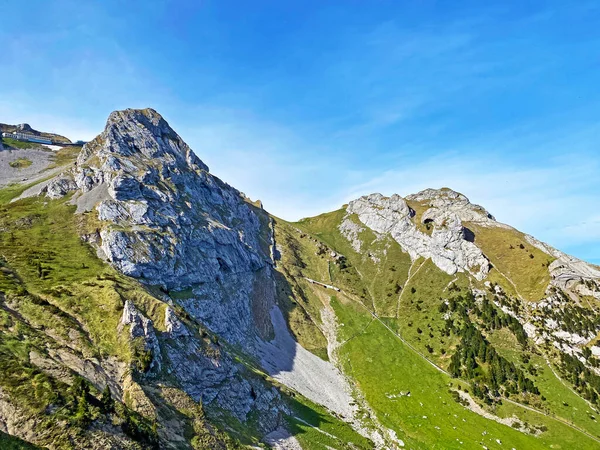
(560, 399)
(376, 273)
(429, 418)
(383, 365)
(54, 289)
(516, 259)
(316, 429)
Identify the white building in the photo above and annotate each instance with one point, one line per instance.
(27, 137)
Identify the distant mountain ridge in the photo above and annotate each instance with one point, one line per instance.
(26, 128)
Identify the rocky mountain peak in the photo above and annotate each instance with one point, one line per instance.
(165, 219)
(434, 194)
(140, 135)
(25, 127)
(450, 200)
(447, 243)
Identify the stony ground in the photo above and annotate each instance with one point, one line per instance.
(40, 160)
(296, 367)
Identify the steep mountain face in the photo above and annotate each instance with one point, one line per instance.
(447, 245)
(146, 303)
(165, 220)
(452, 247)
(160, 217)
(204, 293)
(169, 221)
(481, 302)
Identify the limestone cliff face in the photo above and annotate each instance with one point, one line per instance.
(567, 271)
(165, 218)
(451, 246)
(205, 256)
(445, 203)
(447, 246)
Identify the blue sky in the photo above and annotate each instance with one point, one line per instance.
(307, 105)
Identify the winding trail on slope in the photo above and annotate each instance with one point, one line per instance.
(567, 386)
(410, 277)
(512, 284)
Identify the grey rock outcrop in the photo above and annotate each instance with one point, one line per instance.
(165, 220)
(60, 186)
(24, 127)
(141, 327)
(447, 246)
(351, 231)
(448, 202)
(209, 374)
(566, 270)
(168, 220)
(174, 326)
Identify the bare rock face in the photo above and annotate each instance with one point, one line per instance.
(60, 186)
(165, 220)
(140, 327)
(174, 326)
(445, 202)
(447, 246)
(168, 221)
(24, 127)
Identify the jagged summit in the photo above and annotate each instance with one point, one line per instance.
(165, 219)
(443, 237)
(442, 198)
(439, 223)
(373, 311)
(432, 193)
(140, 134)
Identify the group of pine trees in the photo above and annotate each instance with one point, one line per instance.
(494, 319)
(82, 408)
(574, 319)
(491, 374)
(586, 382)
(490, 317)
(475, 359)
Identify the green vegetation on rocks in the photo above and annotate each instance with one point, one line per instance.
(20, 163)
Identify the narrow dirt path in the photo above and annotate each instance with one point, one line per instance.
(410, 277)
(567, 386)
(512, 284)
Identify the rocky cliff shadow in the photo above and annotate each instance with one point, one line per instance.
(291, 364)
(468, 235)
(246, 309)
(285, 438)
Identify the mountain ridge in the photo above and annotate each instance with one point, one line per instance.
(285, 333)
(26, 128)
